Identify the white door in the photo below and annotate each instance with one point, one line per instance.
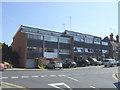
(30, 63)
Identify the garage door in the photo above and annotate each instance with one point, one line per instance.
(30, 63)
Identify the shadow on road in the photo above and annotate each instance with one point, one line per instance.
(117, 84)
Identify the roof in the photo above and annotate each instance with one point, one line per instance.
(82, 33)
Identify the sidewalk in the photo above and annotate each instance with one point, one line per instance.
(24, 69)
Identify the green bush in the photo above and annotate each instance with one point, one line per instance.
(8, 65)
(41, 67)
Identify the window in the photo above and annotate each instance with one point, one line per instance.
(88, 50)
(36, 49)
(97, 50)
(76, 38)
(50, 38)
(78, 49)
(105, 51)
(105, 43)
(33, 30)
(97, 40)
(88, 39)
(64, 40)
(50, 50)
(34, 36)
(62, 51)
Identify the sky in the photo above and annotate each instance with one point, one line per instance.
(95, 18)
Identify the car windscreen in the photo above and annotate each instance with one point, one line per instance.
(106, 60)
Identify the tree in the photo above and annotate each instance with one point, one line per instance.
(9, 56)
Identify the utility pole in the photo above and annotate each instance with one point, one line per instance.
(64, 26)
(70, 23)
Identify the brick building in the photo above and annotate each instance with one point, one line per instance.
(32, 43)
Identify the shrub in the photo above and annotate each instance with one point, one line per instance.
(8, 65)
(41, 67)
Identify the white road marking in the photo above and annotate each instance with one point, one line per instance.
(52, 75)
(35, 76)
(61, 75)
(4, 77)
(55, 85)
(94, 87)
(25, 76)
(15, 77)
(72, 78)
(43, 75)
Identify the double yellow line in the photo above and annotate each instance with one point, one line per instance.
(14, 86)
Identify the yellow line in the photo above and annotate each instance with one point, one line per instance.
(115, 77)
(13, 85)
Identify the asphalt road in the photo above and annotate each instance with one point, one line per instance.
(93, 77)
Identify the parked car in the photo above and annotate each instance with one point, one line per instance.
(118, 63)
(110, 62)
(54, 64)
(69, 64)
(93, 61)
(2, 66)
(83, 62)
(99, 63)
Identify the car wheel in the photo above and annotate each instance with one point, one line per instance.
(105, 65)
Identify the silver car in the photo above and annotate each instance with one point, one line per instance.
(110, 62)
(54, 64)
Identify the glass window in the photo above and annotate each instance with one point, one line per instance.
(51, 50)
(76, 38)
(52, 39)
(105, 51)
(88, 50)
(33, 36)
(64, 40)
(105, 43)
(78, 49)
(62, 51)
(88, 39)
(36, 49)
(97, 41)
(30, 36)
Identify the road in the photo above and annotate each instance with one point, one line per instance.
(93, 77)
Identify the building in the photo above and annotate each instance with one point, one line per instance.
(114, 46)
(87, 46)
(33, 43)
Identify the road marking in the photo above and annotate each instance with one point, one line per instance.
(35, 76)
(25, 76)
(52, 75)
(114, 77)
(61, 75)
(94, 87)
(72, 78)
(15, 77)
(4, 77)
(55, 85)
(44, 76)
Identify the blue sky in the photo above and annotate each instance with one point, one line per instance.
(95, 18)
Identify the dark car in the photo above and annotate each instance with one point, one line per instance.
(83, 62)
(69, 64)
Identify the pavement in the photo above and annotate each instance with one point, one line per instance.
(22, 69)
(81, 77)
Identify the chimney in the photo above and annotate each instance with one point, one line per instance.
(117, 38)
(111, 37)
